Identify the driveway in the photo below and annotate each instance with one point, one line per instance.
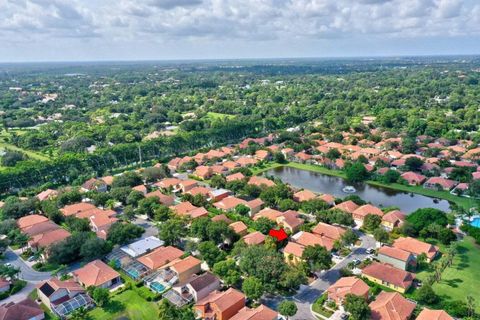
(150, 228)
(307, 295)
(26, 272)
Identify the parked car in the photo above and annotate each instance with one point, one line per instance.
(370, 250)
(356, 262)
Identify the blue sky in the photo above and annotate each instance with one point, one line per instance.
(71, 30)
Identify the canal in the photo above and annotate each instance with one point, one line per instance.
(381, 197)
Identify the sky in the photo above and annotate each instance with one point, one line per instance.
(92, 30)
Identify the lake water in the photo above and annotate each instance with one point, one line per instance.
(381, 197)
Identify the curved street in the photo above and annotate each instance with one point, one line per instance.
(308, 294)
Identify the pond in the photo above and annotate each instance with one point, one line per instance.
(381, 197)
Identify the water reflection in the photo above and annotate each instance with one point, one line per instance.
(382, 197)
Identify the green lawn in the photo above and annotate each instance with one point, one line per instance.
(217, 115)
(462, 278)
(126, 304)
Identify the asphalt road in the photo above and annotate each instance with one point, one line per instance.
(308, 294)
(26, 272)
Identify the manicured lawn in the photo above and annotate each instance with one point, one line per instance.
(127, 304)
(31, 154)
(217, 115)
(462, 278)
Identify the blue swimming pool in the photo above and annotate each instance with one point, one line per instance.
(158, 287)
(475, 222)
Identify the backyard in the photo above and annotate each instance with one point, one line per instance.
(461, 279)
(127, 304)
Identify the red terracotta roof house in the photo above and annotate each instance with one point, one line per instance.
(255, 205)
(428, 314)
(476, 175)
(239, 228)
(302, 156)
(347, 285)
(47, 195)
(198, 213)
(472, 154)
(347, 206)
(229, 203)
(76, 208)
(245, 161)
(160, 257)
(254, 238)
(186, 185)
(174, 164)
(101, 222)
(203, 172)
(168, 183)
(44, 240)
(94, 184)
(222, 217)
(293, 252)
(183, 208)
(97, 274)
(262, 154)
(268, 213)
(393, 219)
(185, 268)
(23, 310)
(416, 247)
(235, 177)
(230, 165)
(391, 306)
(306, 239)
(261, 182)
(215, 154)
(329, 231)
(304, 195)
(164, 199)
(220, 305)
(397, 257)
(328, 198)
(30, 220)
(259, 313)
(361, 212)
(39, 228)
(413, 179)
(204, 191)
(389, 276)
(108, 180)
(439, 183)
(290, 220)
(140, 188)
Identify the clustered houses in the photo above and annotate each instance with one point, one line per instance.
(162, 267)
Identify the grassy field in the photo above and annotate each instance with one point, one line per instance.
(217, 115)
(5, 145)
(127, 304)
(466, 203)
(461, 279)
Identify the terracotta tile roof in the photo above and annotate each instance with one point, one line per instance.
(221, 217)
(398, 277)
(328, 198)
(428, 314)
(395, 253)
(255, 203)
(268, 213)
(394, 216)
(160, 257)
(347, 285)
(199, 190)
(254, 238)
(294, 249)
(95, 273)
(41, 227)
(168, 182)
(229, 203)
(327, 230)
(416, 246)
(223, 300)
(183, 208)
(76, 208)
(244, 161)
(108, 180)
(140, 188)
(234, 177)
(260, 181)
(182, 265)
(47, 194)
(46, 239)
(164, 199)
(30, 220)
(22, 310)
(188, 183)
(290, 219)
(239, 227)
(445, 183)
(367, 209)
(57, 284)
(347, 206)
(259, 313)
(391, 306)
(304, 195)
(101, 221)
